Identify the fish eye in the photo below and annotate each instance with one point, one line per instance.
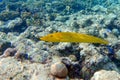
(51, 35)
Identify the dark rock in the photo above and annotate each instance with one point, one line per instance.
(4, 45)
(88, 22)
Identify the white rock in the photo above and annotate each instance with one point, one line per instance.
(118, 54)
(10, 68)
(106, 75)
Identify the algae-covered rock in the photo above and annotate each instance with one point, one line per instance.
(106, 75)
(16, 25)
(118, 54)
(4, 42)
(8, 15)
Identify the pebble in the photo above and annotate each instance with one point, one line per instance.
(59, 70)
(72, 57)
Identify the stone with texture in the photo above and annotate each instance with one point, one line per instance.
(11, 69)
(106, 75)
(59, 70)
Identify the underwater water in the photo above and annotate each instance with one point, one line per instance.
(59, 39)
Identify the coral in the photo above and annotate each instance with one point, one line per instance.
(13, 69)
(8, 15)
(9, 52)
(116, 23)
(117, 54)
(16, 25)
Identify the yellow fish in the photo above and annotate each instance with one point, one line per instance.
(72, 37)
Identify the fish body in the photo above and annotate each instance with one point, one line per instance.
(72, 37)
